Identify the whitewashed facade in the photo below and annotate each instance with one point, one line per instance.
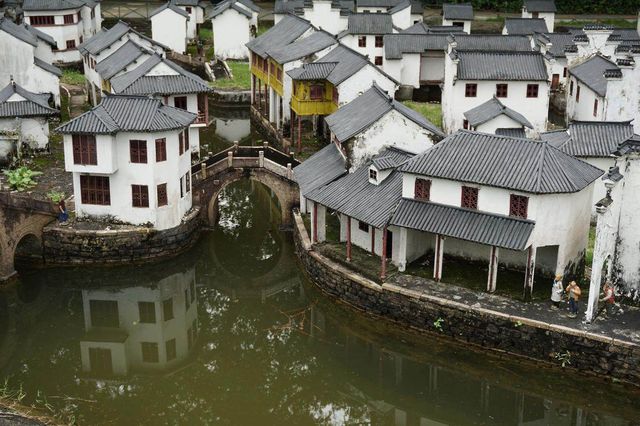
(169, 27)
(234, 24)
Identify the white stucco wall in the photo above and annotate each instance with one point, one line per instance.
(62, 32)
(323, 16)
(582, 110)
(549, 18)
(170, 29)
(192, 31)
(370, 51)
(500, 122)
(361, 81)
(231, 31)
(34, 131)
(402, 18)
(449, 23)
(599, 189)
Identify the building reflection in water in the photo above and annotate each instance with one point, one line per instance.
(233, 129)
(141, 328)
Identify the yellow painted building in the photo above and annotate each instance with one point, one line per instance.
(314, 97)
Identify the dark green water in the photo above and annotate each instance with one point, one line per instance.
(232, 333)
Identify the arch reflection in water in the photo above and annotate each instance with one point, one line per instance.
(140, 328)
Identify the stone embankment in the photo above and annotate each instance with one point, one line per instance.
(484, 328)
(231, 97)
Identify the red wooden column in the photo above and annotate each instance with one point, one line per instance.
(314, 236)
(348, 239)
(266, 100)
(383, 267)
(253, 90)
(259, 94)
(299, 133)
(292, 122)
(373, 240)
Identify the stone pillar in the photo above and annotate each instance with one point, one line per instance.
(348, 239)
(493, 270)
(314, 223)
(299, 133)
(530, 271)
(383, 257)
(253, 89)
(437, 259)
(321, 223)
(402, 252)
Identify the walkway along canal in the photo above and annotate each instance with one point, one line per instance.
(231, 331)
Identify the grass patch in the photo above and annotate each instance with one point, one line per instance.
(241, 77)
(588, 257)
(192, 50)
(209, 53)
(205, 34)
(73, 77)
(264, 26)
(433, 112)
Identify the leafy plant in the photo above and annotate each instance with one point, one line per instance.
(55, 196)
(438, 324)
(563, 357)
(518, 324)
(21, 178)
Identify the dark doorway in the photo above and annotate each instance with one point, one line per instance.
(100, 361)
(389, 244)
(555, 81)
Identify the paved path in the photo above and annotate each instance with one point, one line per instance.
(623, 325)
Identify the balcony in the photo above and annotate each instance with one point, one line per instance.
(259, 73)
(201, 119)
(305, 107)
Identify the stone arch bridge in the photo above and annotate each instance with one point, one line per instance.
(21, 221)
(264, 164)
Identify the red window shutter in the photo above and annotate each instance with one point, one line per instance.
(162, 194)
(469, 197)
(180, 143)
(77, 149)
(502, 90)
(422, 189)
(161, 150)
(518, 206)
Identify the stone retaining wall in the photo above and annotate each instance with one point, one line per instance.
(521, 337)
(268, 131)
(73, 246)
(231, 97)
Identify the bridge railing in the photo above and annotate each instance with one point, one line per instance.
(25, 202)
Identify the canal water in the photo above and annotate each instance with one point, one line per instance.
(231, 332)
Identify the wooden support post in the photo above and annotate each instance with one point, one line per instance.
(383, 257)
(528, 276)
(314, 224)
(493, 270)
(299, 133)
(373, 240)
(259, 96)
(253, 90)
(438, 255)
(266, 101)
(348, 239)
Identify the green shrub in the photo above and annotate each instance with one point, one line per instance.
(21, 178)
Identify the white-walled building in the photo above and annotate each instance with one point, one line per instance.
(112, 52)
(518, 79)
(615, 253)
(524, 26)
(196, 11)
(417, 12)
(140, 329)
(494, 117)
(375, 121)
(234, 23)
(594, 142)
(329, 15)
(24, 55)
(540, 9)
(68, 22)
(169, 26)
(458, 15)
(553, 46)
(176, 87)
(130, 161)
(23, 120)
(365, 34)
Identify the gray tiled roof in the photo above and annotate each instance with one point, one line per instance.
(312, 71)
(558, 42)
(591, 73)
(511, 132)
(359, 114)
(354, 196)
(464, 224)
(417, 28)
(287, 6)
(397, 44)
(250, 4)
(540, 5)
(169, 5)
(626, 34)
(385, 163)
(525, 26)
(34, 5)
(283, 33)
(34, 105)
(47, 67)
(18, 31)
(228, 4)
(104, 38)
(377, 3)
(302, 47)
(137, 82)
(323, 167)
(401, 5)
(416, 7)
(41, 35)
(590, 138)
(191, 3)
(348, 62)
(492, 109)
(120, 59)
(491, 42)
(128, 114)
(517, 164)
(457, 11)
(369, 23)
(503, 66)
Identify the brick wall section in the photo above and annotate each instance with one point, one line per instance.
(517, 336)
(72, 246)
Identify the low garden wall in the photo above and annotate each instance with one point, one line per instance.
(76, 246)
(493, 330)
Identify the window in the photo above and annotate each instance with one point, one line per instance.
(167, 309)
(104, 313)
(422, 189)
(170, 346)
(42, 20)
(186, 140)
(595, 107)
(187, 181)
(532, 90)
(80, 39)
(364, 227)
(149, 351)
(181, 187)
(518, 205)
(501, 90)
(470, 90)
(93, 13)
(95, 190)
(571, 88)
(362, 41)
(139, 195)
(161, 150)
(180, 102)
(373, 175)
(378, 60)
(317, 92)
(84, 150)
(564, 72)
(100, 361)
(335, 96)
(181, 143)
(188, 9)
(379, 41)
(71, 44)
(138, 151)
(465, 124)
(147, 311)
(578, 93)
(535, 15)
(68, 19)
(469, 198)
(279, 74)
(161, 192)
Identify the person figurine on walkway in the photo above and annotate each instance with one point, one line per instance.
(574, 293)
(556, 292)
(608, 299)
(63, 216)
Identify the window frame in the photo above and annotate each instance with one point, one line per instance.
(377, 61)
(502, 90)
(379, 41)
(469, 197)
(316, 92)
(161, 150)
(577, 93)
(42, 21)
(93, 194)
(471, 90)
(70, 44)
(595, 107)
(373, 175)
(178, 101)
(162, 196)
(145, 347)
(422, 189)
(363, 226)
(84, 149)
(533, 90)
(138, 153)
(147, 313)
(362, 41)
(139, 196)
(518, 206)
(68, 19)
